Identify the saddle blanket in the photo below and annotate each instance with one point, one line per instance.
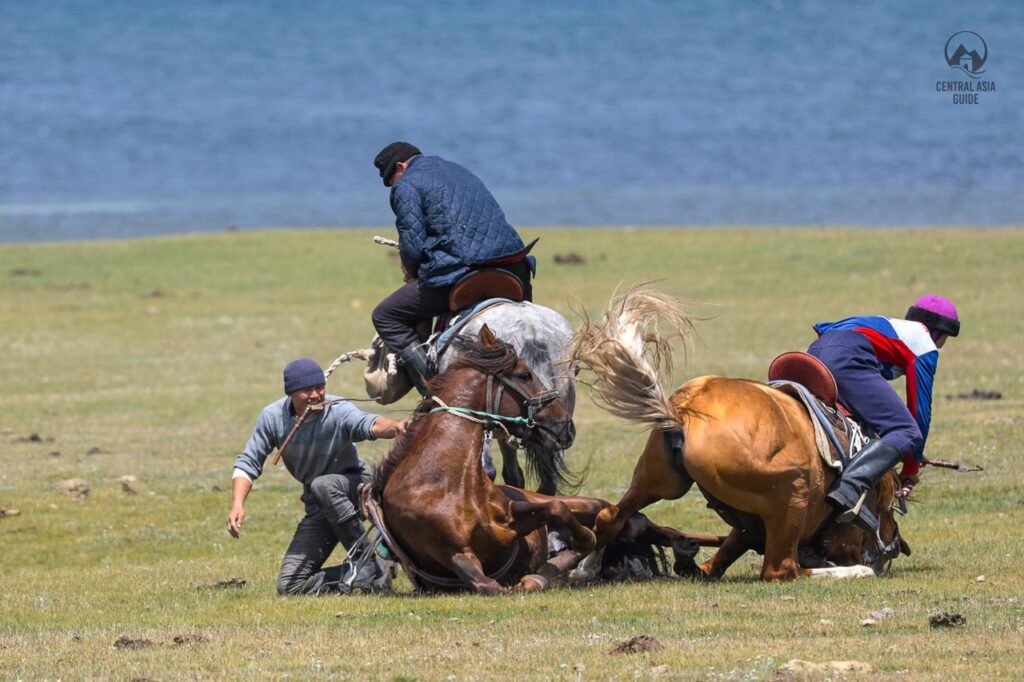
(834, 452)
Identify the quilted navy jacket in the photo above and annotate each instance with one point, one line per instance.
(447, 221)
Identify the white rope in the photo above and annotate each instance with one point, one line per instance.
(362, 354)
(469, 417)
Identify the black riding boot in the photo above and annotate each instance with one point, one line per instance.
(371, 574)
(417, 365)
(864, 471)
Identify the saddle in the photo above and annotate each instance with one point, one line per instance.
(806, 378)
(488, 279)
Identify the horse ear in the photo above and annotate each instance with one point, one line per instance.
(487, 337)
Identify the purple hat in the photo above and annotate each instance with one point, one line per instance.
(302, 373)
(936, 313)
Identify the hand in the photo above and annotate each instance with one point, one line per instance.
(235, 519)
(907, 484)
(388, 428)
(406, 277)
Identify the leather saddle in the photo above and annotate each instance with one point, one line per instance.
(489, 279)
(808, 371)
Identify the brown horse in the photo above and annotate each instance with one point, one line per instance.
(452, 523)
(750, 449)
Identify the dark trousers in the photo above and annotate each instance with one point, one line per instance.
(864, 390)
(315, 538)
(395, 318)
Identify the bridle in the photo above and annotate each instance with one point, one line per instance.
(491, 419)
(890, 551)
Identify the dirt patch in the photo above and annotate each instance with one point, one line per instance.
(24, 272)
(224, 584)
(944, 619)
(191, 639)
(796, 668)
(216, 489)
(978, 394)
(95, 451)
(34, 438)
(76, 487)
(571, 258)
(156, 293)
(126, 642)
(638, 645)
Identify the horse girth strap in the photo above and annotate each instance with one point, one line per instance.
(414, 572)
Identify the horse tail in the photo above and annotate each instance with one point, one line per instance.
(629, 349)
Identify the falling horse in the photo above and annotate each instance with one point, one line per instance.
(749, 447)
(454, 526)
(450, 526)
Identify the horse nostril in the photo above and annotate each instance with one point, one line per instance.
(570, 433)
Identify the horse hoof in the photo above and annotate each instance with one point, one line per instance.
(533, 583)
(587, 569)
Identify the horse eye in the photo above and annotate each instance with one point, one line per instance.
(526, 376)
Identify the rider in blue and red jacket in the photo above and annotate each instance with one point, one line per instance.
(863, 354)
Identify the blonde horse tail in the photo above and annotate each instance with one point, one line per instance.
(629, 349)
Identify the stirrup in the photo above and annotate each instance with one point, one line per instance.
(850, 514)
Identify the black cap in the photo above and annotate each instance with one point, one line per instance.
(934, 320)
(390, 156)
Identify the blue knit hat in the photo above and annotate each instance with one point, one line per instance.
(302, 373)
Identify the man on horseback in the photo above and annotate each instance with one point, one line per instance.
(863, 353)
(320, 454)
(448, 224)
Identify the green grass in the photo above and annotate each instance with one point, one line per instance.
(161, 352)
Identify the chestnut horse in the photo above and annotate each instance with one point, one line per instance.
(458, 528)
(750, 449)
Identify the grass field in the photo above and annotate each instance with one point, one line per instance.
(152, 358)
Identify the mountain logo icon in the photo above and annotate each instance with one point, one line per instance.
(968, 52)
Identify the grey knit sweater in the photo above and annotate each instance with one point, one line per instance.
(322, 445)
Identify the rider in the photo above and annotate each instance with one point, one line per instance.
(864, 352)
(448, 222)
(322, 456)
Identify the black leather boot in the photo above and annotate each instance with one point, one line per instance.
(417, 365)
(857, 479)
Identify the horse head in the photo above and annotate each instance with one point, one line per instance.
(879, 549)
(543, 419)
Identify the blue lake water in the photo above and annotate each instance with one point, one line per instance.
(137, 118)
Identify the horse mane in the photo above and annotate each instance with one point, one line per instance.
(629, 349)
(493, 359)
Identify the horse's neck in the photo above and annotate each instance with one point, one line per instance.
(453, 436)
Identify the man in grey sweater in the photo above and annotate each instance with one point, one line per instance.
(322, 456)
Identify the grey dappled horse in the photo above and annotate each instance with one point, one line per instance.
(541, 338)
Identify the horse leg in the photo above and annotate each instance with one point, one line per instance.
(529, 516)
(733, 548)
(467, 567)
(782, 536)
(511, 472)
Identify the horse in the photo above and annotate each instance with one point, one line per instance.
(749, 448)
(542, 338)
(450, 526)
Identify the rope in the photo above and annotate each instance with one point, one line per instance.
(362, 354)
(473, 415)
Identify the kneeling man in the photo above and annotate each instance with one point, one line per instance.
(322, 456)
